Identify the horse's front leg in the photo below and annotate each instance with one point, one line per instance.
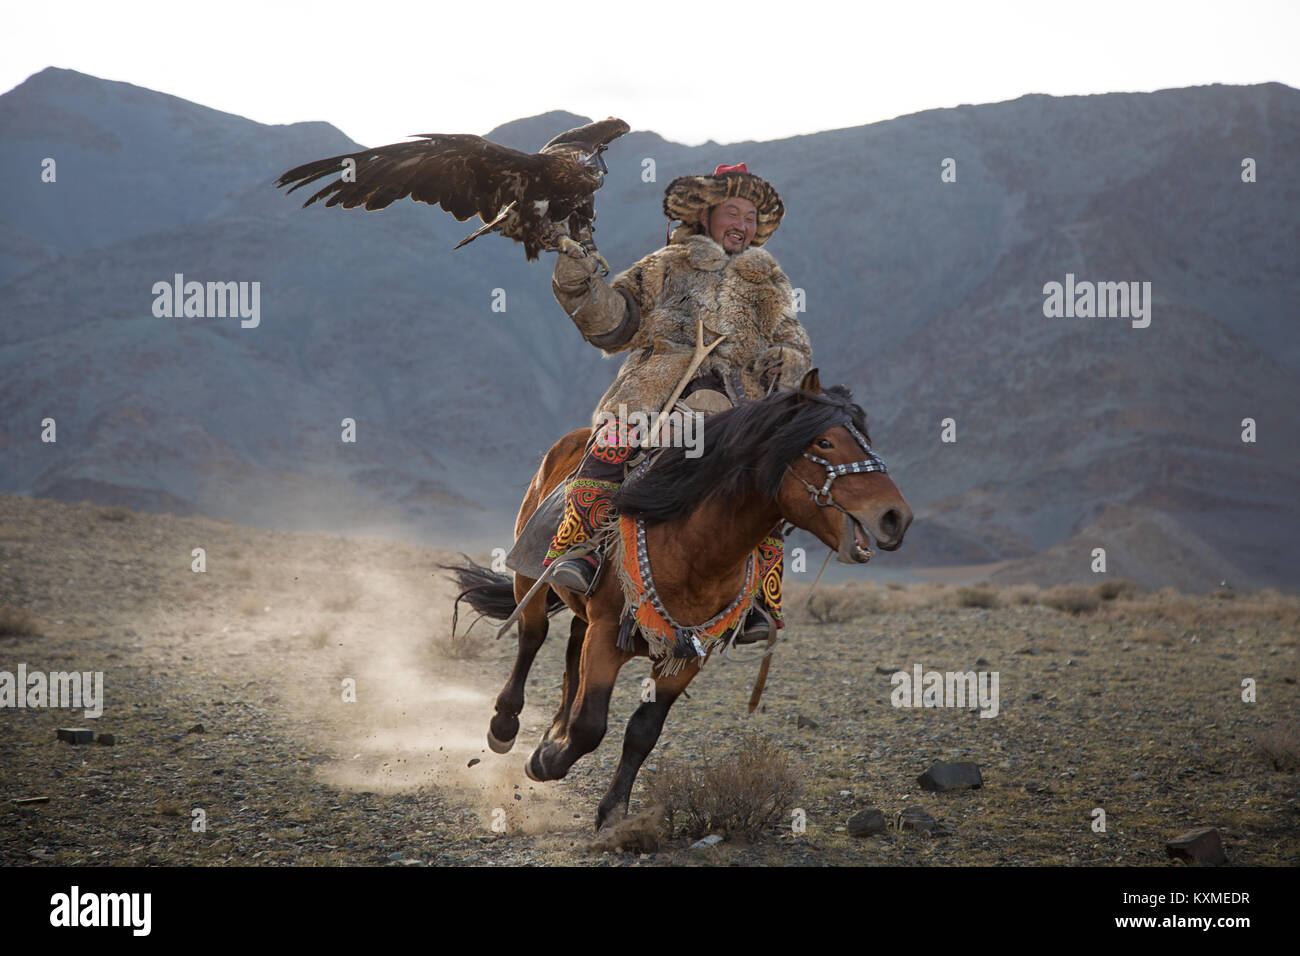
(598, 668)
(643, 729)
(572, 667)
(533, 625)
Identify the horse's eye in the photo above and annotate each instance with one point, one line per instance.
(824, 443)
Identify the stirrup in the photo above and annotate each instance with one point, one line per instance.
(758, 626)
(577, 574)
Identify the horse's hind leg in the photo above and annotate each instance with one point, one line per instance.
(572, 660)
(533, 625)
(643, 729)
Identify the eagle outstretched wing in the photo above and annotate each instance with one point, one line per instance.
(533, 198)
(465, 175)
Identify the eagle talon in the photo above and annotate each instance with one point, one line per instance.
(571, 247)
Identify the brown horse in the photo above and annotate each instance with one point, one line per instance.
(763, 463)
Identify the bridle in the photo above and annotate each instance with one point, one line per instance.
(872, 462)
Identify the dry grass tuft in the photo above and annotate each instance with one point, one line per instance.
(842, 603)
(977, 596)
(17, 622)
(833, 604)
(1072, 600)
(1280, 746)
(742, 793)
(1021, 594)
(1153, 635)
(115, 513)
(1266, 609)
(1117, 588)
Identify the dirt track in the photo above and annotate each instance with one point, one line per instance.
(1120, 709)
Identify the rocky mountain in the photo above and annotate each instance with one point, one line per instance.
(925, 296)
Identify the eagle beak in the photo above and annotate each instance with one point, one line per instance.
(596, 160)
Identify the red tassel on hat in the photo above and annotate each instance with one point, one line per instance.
(738, 168)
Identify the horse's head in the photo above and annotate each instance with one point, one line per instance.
(838, 488)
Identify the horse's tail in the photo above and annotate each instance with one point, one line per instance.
(490, 594)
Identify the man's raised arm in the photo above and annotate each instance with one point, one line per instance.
(783, 364)
(607, 317)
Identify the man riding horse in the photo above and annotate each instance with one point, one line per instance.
(712, 269)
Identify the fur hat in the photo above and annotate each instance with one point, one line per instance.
(688, 196)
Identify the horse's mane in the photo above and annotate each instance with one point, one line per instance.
(746, 451)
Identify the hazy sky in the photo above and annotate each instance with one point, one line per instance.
(728, 71)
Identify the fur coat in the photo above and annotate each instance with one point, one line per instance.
(652, 308)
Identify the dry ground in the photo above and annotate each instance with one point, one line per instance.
(1135, 708)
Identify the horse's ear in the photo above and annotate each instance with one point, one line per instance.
(811, 382)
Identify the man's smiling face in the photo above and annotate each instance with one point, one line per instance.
(731, 224)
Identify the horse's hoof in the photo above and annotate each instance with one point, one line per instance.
(609, 817)
(534, 772)
(500, 746)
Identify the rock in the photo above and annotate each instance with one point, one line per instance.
(943, 776)
(75, 735)
(1198, 846)
(915, 818)
(397, 857)
(981, 662)
(472, 761)
(29, 801)
(196, 729)
(803, 722)
(887, 668)
(108, 740)
(711, 840)
(867, 823)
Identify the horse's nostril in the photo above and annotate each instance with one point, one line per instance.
(890, 522)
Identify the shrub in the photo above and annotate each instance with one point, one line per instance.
(1073, 600)
(14, 621)
(1021, 594)
(978, 596)
(1280, 746)
(744, 792)
(1115, 589)
(837, 605)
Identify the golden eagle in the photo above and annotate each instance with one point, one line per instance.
(540, 199)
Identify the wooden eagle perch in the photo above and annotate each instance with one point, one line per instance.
(540, 199)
